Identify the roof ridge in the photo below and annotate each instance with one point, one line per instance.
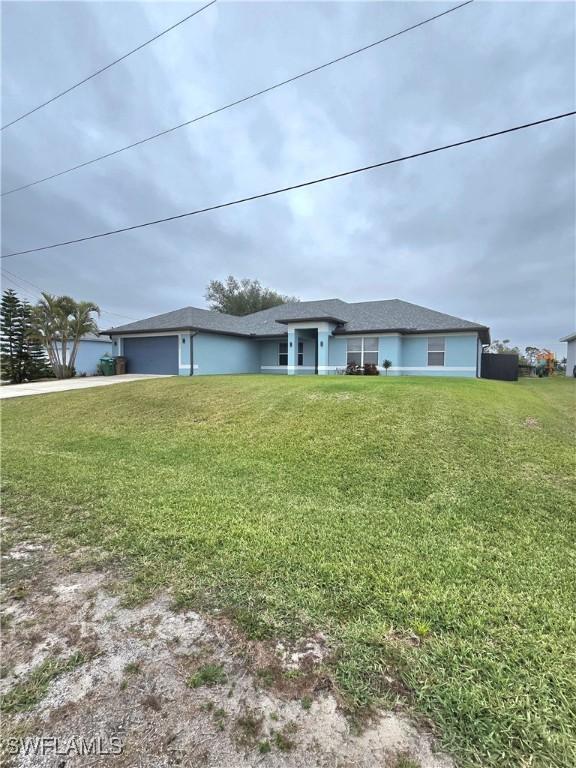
(372, 301)
(214, 312)
(437, 312)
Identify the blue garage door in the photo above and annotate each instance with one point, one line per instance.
(151, 354)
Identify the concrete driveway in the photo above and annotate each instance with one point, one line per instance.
(61, 385)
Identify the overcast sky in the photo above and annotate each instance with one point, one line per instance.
(484, 232)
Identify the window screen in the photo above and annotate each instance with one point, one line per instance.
(436, 348)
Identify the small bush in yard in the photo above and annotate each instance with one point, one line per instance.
(371, 369)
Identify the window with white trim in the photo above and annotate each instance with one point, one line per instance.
(363, 350)
(436, 350)
(283, 353)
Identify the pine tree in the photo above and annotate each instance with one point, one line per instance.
(37, 365)
(12, 337)
(21, 357)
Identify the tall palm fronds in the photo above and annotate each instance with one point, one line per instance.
(82, 322)
(59, 323)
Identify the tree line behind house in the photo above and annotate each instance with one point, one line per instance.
(532, 358)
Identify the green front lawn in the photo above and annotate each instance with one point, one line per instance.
(376, 510)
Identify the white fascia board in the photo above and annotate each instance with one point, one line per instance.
(365, 333)
(312, 325)
(145, 333)
(433, 368)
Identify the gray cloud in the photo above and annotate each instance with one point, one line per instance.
(484, 232)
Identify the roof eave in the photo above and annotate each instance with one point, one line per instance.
(482, 330)
(322, 318)
(177, 329)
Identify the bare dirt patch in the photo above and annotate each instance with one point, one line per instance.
(176, 688)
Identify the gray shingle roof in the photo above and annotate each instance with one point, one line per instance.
(94, 337)
(359, 317)
(184, 319)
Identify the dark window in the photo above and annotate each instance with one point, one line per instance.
(436, 346)
(283, 353)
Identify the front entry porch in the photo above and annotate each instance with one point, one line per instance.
(307, 348)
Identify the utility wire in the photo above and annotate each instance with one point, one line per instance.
(103, 69)
(237, 102)
(295, 186)
(36, 296)
(20, 281)
(24, 285)
(19, 289)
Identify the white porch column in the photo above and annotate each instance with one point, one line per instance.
(292, 351)
(323, 352)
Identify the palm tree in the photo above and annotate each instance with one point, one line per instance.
(59, 323)
(82, 322)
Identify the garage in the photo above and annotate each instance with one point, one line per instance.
(151, 354)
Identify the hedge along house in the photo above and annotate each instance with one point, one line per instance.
(309, 337)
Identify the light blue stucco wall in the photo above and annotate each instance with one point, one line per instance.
(337, 350)
(213, 353)
(219, 354)
(415, 351)
(89, 353)
(269, 356)
(185, 353)
(461, 350)
(409, 355)
(460, 358)
(390, 348)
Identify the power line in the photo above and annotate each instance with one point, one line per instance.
(237, 102)
(19, 281)
(19, 288)
(295, 186)
(103, 69)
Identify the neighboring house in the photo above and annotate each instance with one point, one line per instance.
(570, 354)
(304, 337)
(91, 348)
